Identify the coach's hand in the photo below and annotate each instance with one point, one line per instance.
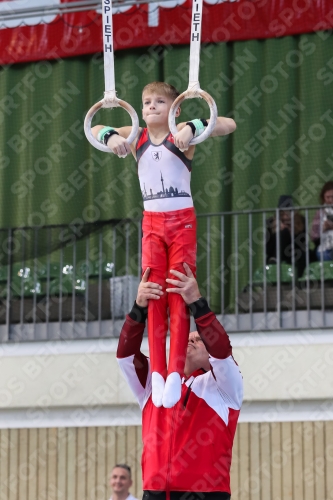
(186, 285)
(147, 290)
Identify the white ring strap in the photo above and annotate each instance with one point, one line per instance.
(108, 48)
(194, 89)
(195, 44)
(110, 98)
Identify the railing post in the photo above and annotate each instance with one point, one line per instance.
(208, 259)
(127, 247)
(264, 223)
(9, 274)
(293, 266)
(60, 289)
(73, 286)
(48, 265)
(278, 269)
(35, 281)
(100, 258)
(250, 270)
(22, 287)
(307, 265)
(86, 296)
(322, 295)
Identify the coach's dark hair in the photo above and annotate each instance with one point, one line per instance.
(124, 466)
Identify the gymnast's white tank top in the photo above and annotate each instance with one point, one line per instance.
(164, 175)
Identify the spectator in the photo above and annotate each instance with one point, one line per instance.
(120, 482)
(322, 225)
(288, 235)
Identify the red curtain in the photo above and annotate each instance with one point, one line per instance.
(164, 23)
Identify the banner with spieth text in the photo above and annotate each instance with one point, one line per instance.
(53, 36)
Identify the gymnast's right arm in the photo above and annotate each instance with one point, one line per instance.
(117, 142)
(133, 364)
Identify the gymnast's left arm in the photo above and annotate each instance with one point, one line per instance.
(186, 132)
(223, 126)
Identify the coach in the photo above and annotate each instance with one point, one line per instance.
(187, 449)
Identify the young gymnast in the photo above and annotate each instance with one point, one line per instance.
(169, 223)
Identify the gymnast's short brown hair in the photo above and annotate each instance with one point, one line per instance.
(161, 88)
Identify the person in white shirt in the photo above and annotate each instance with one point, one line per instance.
(120, 482)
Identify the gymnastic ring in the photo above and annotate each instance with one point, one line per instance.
(191, 94)
(106, 104)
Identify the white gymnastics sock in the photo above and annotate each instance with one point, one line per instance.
(158, 383)
(172, 390)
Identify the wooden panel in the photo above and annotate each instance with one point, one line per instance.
(42, 450)
(286, 470)
(81, 462)
(33, 464)
(91, 462)
(137, 471)
(131, 452)
(297, 437)
(71, 479)
(13, 464)
(62, 464)
(254, 481)
(308, 460)
(244, 469)
(52, 459)
(23, 465)
(111, 449)
(234, 475)
(4, 463)
(276, 461)
(271, 461)
(101, 464)
(329, 460)
(121, 435)
(265, 461)
(319, 460)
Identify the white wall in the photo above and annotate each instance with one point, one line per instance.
(287, 376)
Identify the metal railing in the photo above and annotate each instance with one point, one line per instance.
(60, 282)
(56, 281)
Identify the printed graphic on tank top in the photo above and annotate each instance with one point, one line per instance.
(164, 175)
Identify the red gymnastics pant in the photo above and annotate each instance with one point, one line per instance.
(169, 240)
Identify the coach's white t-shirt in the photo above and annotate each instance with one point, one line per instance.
(130, 497)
